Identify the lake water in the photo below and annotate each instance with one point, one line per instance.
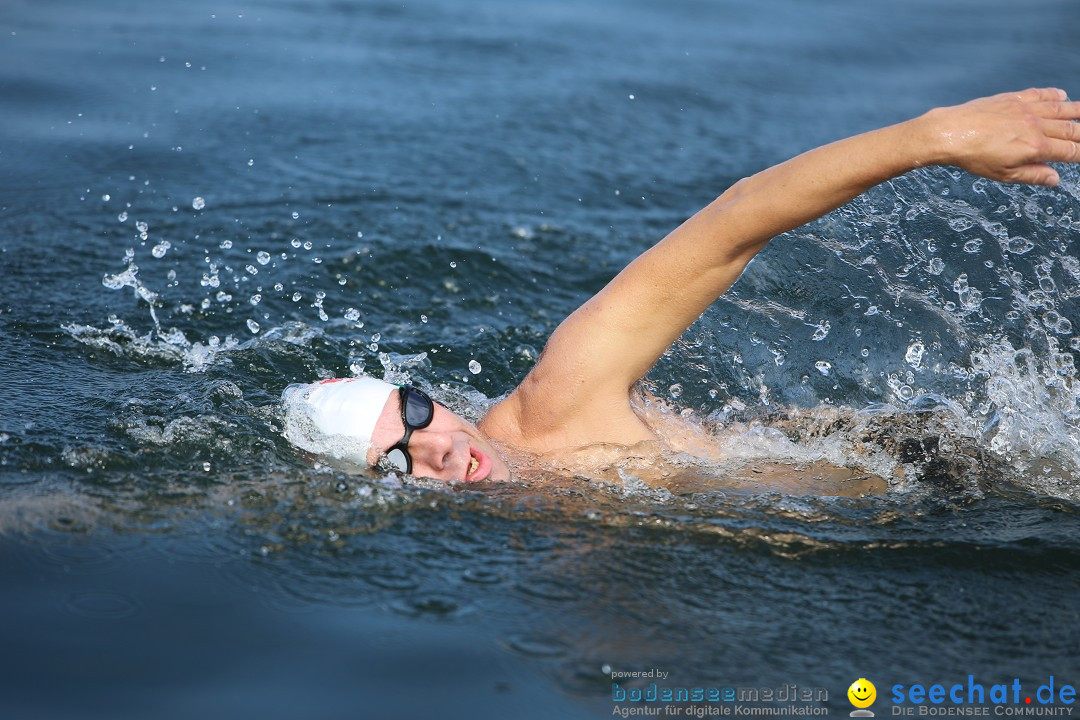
(204, 202)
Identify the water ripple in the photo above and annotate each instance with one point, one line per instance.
(102, 605)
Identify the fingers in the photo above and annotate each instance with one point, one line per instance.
(1062, 141)
(1040, 94)
(1061, 151)
(1061, 129)
(1054, 109)
(1034, 174)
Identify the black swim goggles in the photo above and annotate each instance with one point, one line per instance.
(417, 410)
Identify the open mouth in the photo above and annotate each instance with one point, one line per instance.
(479, 466)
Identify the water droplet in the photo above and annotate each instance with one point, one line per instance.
(453, 264)
(823, 367)
(106, 197)
(1019, 245)
(675, 390)
(935, 266)
(198, 203)
(225, 244)
(359, 234)
(251, 162)
(295, 216)
(123, 216)
(206, 467)
(352, 314)
(423, 318)
(296, 297)
(307, 245)
(252, 269)
(141, 226)
(295, 242)
(376, 337)
(263, 257)
(969, 297)
(914, 354)
(474, 367)
(253, 326)
(255, 299)
(631, 96)
(160, 249)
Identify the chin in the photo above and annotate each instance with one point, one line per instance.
(500, 469)
(500, 473)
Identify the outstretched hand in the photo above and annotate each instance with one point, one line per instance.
(1009, 137)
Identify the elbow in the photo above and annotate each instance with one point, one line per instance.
(734, 193)
(739, 213)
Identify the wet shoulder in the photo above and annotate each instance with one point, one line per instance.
(541, 422)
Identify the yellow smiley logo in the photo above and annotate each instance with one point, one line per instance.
(862, 693)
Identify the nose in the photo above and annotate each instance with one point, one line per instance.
(436, 453)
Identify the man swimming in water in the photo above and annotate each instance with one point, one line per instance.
(580, 391)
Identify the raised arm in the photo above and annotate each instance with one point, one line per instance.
(597, 354)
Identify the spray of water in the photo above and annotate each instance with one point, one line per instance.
(934, 296)
(924, 330)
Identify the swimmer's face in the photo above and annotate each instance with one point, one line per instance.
(450, 448)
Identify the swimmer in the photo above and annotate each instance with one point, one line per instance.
(579, 395)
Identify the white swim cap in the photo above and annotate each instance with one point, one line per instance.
(335, 417)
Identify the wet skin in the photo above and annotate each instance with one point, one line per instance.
(450, 449)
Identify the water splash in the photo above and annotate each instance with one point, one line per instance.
(130, 278)
(953, 291)
(171, 347)
(938, 284)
